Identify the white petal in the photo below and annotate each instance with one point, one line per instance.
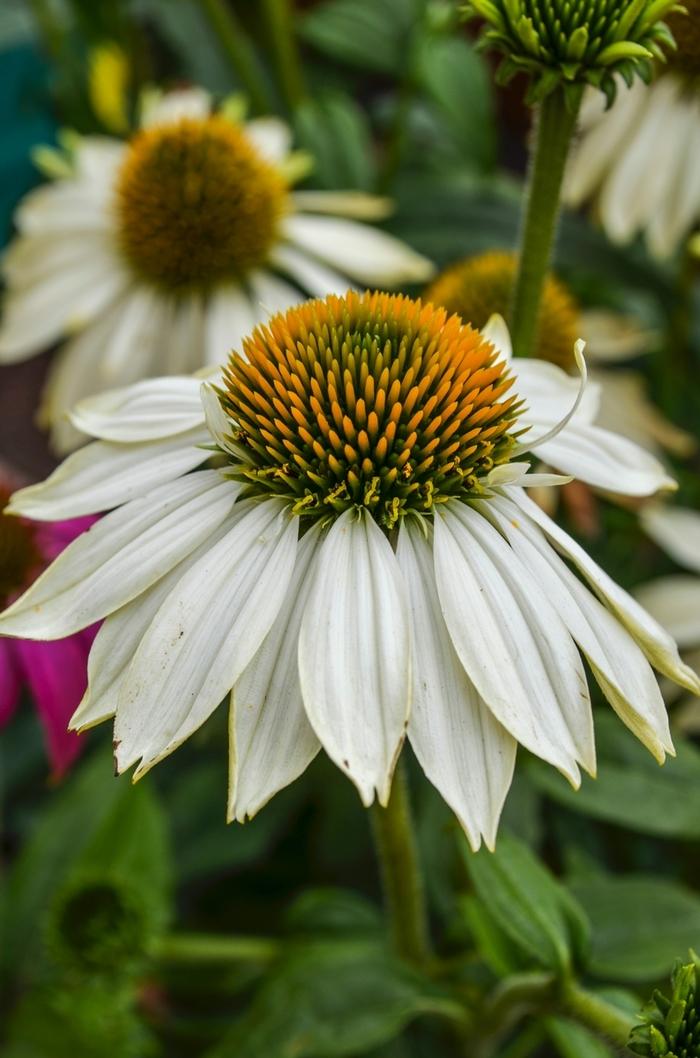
(549, 393)
(186, 349)
(610, 336)
(367, 254)
(675, 603)
(459, 744)
(496, 331)
(654, 640)
(618, 664)
(354, 654)
(271, 136)
(104, 475)
(677, 531)
(512, 644)
(606, 461)
(121, 633)
(230, 317)
(271, 739)
(355, 204)
(164, 108)
(98, 158)
(272, 294)
(37, 315)
(121, 556)
(625, 409)
(218, 422)
(155, 408)
(204, 635)
(72, 208)
(312, 276)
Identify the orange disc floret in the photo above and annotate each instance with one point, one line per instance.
(370, 400)
(196, 203)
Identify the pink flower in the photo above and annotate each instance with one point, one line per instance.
(55, 672)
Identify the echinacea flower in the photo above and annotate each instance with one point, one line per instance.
(336, 531)
(55, 673)
(639, 160)
(670, 1025)
(154, 256)
(480, 286)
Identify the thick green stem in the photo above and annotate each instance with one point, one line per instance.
(238, 49)
(554, 127)
(280, 23)
(597, 1014)
(208, 948)
(403, 884)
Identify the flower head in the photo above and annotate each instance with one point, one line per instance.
(671, 1026)
(480, 286)
(336, 532)
(157, 254)
(573, 44)
(56, 673)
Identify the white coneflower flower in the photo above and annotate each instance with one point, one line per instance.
(480, 286)
(674, 600)
(342, 540)
(156, 255)
(640, 159)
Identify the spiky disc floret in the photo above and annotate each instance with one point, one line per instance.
(575, 42)
(480, 286)
(671, 1027)
(371, 400)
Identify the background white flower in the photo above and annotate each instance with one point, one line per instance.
(351, 425)
(157, 255)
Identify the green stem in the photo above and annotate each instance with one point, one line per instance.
(401, 876)
(207, 948)
(285, 50)
(554, 127)
(597, 1014)
(234, 42)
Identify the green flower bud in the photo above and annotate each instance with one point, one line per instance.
(671, 1026)
(560, 43)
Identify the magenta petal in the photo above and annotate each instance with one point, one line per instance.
(57, 675)
(53, 537)
(10, 681)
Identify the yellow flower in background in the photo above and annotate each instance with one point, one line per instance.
(158, 254)
(108, 83)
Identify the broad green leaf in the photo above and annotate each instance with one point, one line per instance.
(368, 34)
(494, 945)
(335, 132)
(334, 911)
(455, 78)
(574, 1041)
(639, 925)
(329, 999)
(528, 903)
(631, 790)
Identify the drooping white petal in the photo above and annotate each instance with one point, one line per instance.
(271, 136)
(535, 439)
(512, 644)
(271, 740)
(155, 408)
(625, 408)
(548, 392)
(120, 556)
(618, 664)
(355, 204)
(164, 108)
(104, 475)
(675, 603)
(72, 208)
(354, 654)
(230, 317)
(121, 633)
(460, 745)
(654, 640)
(607, 461)
(204, 635)
(367, 254)
(677, 531)
(311, 275)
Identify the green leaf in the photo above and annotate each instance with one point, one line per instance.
(334, 911)
(68, 823)
(335, 131)
(631, 790)
(332, 999)
(455, 78)
(574, 1041)
(369, 34)
(639, 925)
(528, 903)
